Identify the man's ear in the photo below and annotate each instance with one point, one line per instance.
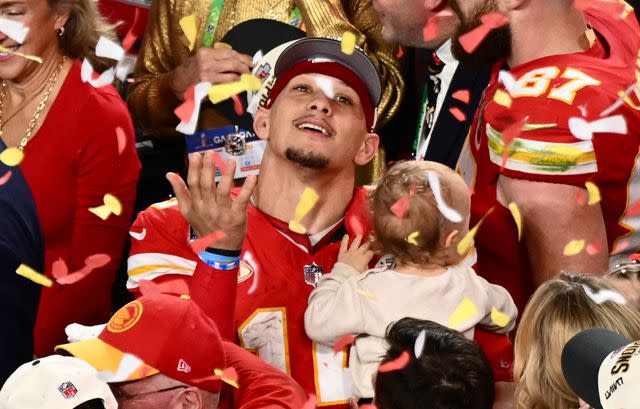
(188, 398)
(451, 238)
(515, 4)
(261, 123)
(368, 149)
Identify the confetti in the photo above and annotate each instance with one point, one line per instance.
(343, 342)
(135, 31)
(307, 200)
(348, 43)
(619, 101)
(458, 114)
(502, 98)
(311, 403)
(355, 225)
(202, 243)
(184, 111)
(418, 346)
(581, 197)
(257, 57)
(219, 162)
(59, 269)
(367, 294)
(594, 248)
(122, 139)
(228, 376)
(127, 366)
(634, 210)
(189, 114)
(107, 48)
(611, 7)
(462, 95)
(508, 80)
(431, 30)
(27, 272)
(573, 248)
(604, 296)
(237, 105)
(400, 53)
(465, 310)
(111, 205)
(189, 27)
(467, 241)
(77, 332)
(584, 130)
(448, 212)
(471, 40)
(88, 74)
(97, 260)
(594, 193)
(397, 364)
(517, 217)
(13, 29)
(412, 238)
(5, 178)
(11, 156)
(221, 92)
(27, 56)
(509, 135)
(634, 257)
(499, 318)
(400, 207)
(326, 85)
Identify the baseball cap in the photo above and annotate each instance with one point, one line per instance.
(325, 56)
(54, 382)
(171, 335)
(588, 363)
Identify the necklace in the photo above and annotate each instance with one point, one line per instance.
(51, 81)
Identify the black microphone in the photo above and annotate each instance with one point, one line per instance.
(603, 369)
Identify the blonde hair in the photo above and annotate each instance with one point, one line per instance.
(82, 30)
(558, 310)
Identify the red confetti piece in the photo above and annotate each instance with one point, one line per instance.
(204, 242)
(634, 257)
(148, 287)
(581, 197)
(5, 178)
(311, 403)
(457, 112)
(400, 207)
(184, 111)
(471, 40)
(75, 276)
(634, 210)
(594, 248)
(431, 30)
(462, 95)
(508, 135)
(398, 363)
(59, 269)
(219, 162)
(135, 31)
(122, 139)
(355, 225)
(237, 105)
(343, 342)
(400, 53)
(611, 7)
(97, 260)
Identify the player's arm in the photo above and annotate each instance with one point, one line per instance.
(551, 218)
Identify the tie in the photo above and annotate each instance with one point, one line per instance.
(428, 108)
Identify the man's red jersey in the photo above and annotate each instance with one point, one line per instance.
(548, 92)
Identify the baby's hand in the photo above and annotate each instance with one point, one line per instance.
(356, 256)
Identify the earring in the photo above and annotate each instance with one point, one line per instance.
(60, 31)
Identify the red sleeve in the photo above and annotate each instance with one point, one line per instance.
(498, 349)
(261, 385)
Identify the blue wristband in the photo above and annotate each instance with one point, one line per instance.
(218, 261)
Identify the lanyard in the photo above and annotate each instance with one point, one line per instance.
(423, 114)
(295, 19)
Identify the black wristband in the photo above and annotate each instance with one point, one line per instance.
(223, 252)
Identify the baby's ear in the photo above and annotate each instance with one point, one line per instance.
(451, 239)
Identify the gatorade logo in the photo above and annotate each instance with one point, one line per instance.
(126, 317)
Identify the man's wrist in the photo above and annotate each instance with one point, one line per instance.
(213, 258)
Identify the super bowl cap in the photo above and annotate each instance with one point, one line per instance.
(582, 357)
(54, 382)
(171, 335)
(327, 49)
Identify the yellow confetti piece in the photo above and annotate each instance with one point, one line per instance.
(517, 216)
(367, 294)
(411, 238)
(252, 82)
(221, 92)
(111, 205)
(465, 310)
(307, 200)
(231, 382)
(27, 56)
(27, 272)
(502, 98)
(499, 318)
(467, 241)
(11, 156)
(594, 193)
(188, 24)
(348, 43)
(573, 248)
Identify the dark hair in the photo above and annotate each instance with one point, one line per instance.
(91, 404)
(451, 373)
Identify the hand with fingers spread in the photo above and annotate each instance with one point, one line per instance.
(357, 256)
(215, 65)
(209, 208)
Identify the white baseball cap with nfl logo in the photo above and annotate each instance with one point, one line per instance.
(54, 382)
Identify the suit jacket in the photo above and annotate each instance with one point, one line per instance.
(449, 134)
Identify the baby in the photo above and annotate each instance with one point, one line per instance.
(429, 280)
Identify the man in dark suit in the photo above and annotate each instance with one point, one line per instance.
(20, 243)
(443, 121)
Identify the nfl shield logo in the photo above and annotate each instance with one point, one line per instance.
(312, 274)
(68, 390)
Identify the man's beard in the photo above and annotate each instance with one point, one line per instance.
(307, 159)
(495, 46)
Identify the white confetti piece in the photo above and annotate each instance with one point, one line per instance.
(418, 347)
(451, 214)
(604, 296)
(584, 130)
(325, 84)
(125, 67)
(107, 48)
(257, 57)
(619, 101)
(86, 73)
(507, 79)
(78, 332)
(127, 366)
(201, 91)
(13, 29)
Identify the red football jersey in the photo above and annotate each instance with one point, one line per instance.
(550, 91)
